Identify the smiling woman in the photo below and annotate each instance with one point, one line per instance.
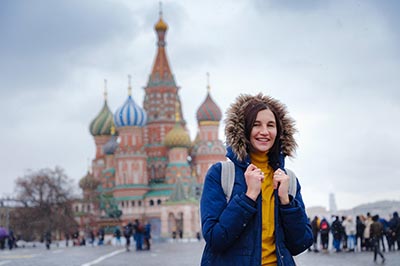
(261, 224)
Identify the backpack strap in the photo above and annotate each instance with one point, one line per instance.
(292, 182)
(227, 178)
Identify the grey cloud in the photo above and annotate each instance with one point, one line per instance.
(44, 37)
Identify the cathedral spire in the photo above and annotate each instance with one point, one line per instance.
(105, 90)
(161, 73)
(177, 112)
(129, 85)
(208, 82)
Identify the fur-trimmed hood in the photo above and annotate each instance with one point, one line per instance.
(235, 129)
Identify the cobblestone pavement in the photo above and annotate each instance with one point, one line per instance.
(166, 254)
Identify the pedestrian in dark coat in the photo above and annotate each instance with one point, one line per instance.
(261, 224)
(315, 232)
(47, 239)
(337, 233)
(128, 229)
(360, 227)
(376, 232)
(394, 225)
(324, 229)
(147, 236)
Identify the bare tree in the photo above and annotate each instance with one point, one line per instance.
(46, 196)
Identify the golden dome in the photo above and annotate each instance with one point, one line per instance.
(161, 25)
(177, 137)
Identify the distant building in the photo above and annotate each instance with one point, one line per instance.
(332, 203)
(146, 167)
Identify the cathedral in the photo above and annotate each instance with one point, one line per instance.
(146, 167)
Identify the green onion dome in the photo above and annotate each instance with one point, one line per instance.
(103, 122)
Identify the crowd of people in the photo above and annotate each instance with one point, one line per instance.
(139, 232)
(364, 233)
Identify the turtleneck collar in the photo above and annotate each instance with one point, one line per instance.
(258, 158)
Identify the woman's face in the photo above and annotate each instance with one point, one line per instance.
(263, 133)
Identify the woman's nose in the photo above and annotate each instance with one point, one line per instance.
(264, 130)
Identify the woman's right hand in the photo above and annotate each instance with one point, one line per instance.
(254, 176)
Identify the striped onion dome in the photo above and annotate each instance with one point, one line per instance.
(103, 122)
(209, 110)
(130, 114)
(177, 137)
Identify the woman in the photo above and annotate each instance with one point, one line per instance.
(261, 224)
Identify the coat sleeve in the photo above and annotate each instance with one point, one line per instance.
(296, 227)
(222, 222)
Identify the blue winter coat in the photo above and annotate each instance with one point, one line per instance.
(232, 230)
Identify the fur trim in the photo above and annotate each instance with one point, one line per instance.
(234, 125)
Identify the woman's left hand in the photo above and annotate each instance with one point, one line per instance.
(281, 182)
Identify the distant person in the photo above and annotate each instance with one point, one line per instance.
(360, 227)
(117, 235)
(147, 236)
(349, 225)
(66, 235)
(315, 231)
(138, 234)
(394, 225)
(128, 234)
(376, 232)
(198, 236)
(261, 224)
(11, 239)
(337, 233)
(324, 229)
(92, 237)
(100, 235)
(385, 224)
(47, 239)
(367, 237)
(344, 235)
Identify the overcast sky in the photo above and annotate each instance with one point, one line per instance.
(335, 64)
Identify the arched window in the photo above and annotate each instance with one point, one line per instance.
(140, 203)
(151, 202)
(158, 202)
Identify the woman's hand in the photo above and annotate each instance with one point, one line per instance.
(254, 176)
(281, 182)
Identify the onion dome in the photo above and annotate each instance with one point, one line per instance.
(103, 122)
(161, 25)
(130, 114)
(111, 145)
(208, 110)
(177, 137)
(88, 182)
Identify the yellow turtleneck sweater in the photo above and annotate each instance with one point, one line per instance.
(268, 256)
